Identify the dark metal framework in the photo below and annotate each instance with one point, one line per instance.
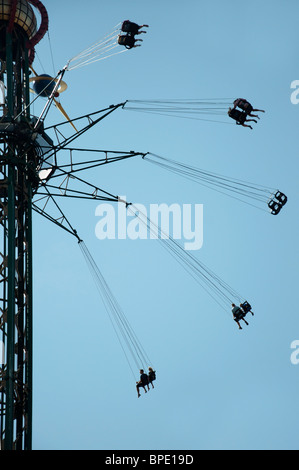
(17, 158)
(31, 179)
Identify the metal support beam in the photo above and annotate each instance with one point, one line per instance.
(16, 272)
(9, 379)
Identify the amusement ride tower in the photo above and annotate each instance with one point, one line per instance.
(19, 162)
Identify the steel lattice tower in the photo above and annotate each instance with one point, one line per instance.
(19, 160)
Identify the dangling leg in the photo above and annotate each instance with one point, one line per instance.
(137, 45)
(258, 110)
(254, 115)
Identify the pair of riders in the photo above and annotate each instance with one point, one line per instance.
(241, 116)
(145, 380)
(131, 29)
(239, 313)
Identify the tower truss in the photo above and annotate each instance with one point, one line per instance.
(18, 158)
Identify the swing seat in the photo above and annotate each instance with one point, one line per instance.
(246, 307)
(282, 198)
(122, 40)
(239, 315)
(152, 376)
(129, 27)
(126, 40)
(275, 207)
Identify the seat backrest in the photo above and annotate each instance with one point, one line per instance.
(274, 206)
(122, 40)
(144, 379)
(282, 198)
(152, 375)
(246, 306)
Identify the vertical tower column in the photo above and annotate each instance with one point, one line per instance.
(16, 256)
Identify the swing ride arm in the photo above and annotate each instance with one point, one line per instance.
(73, 166)
(92, 120)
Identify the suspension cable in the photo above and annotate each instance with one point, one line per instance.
(232, 187)
(125, 334)
(216, 287)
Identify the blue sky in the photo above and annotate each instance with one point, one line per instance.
(217, 387)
